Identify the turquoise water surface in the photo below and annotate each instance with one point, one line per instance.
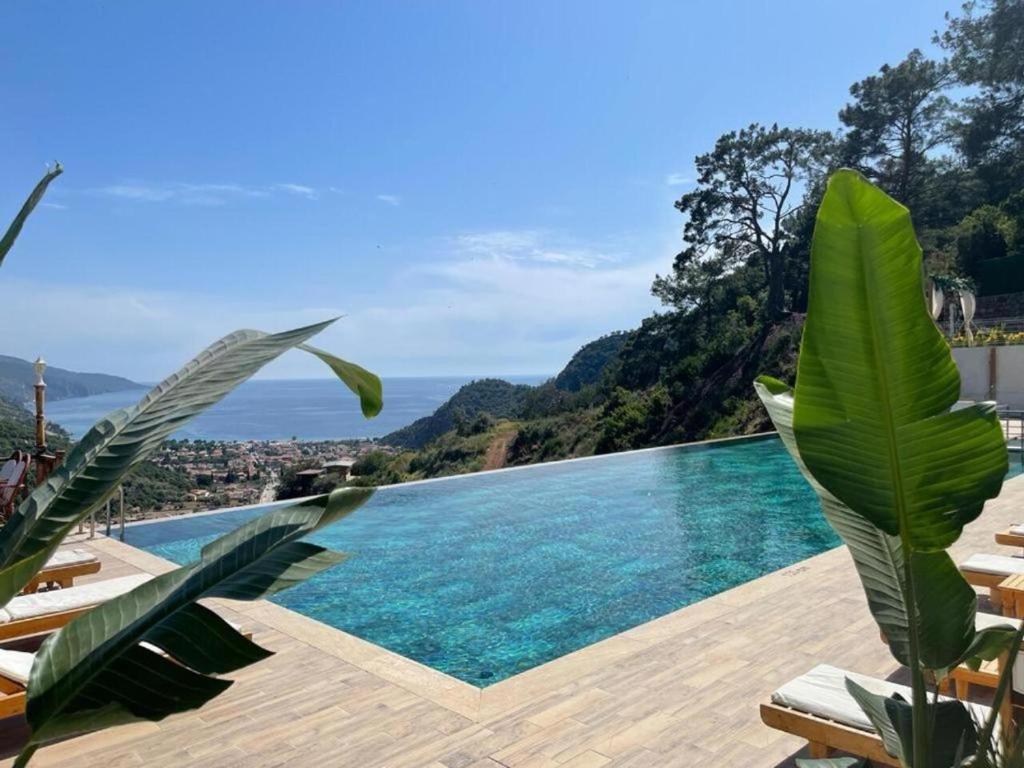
(484, 576)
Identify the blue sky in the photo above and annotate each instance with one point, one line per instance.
(479, 187)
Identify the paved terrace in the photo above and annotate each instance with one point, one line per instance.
(682, 690)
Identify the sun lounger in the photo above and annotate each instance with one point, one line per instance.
(63, 568)
(817, 707)
(32, 614)
(987, 675)
(12, 481)
(985, 570)
(15, 668)
(1012, 536)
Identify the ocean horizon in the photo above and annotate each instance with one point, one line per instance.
(281, 409)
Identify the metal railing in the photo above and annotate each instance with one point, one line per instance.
(1012, 421)
(988, 331)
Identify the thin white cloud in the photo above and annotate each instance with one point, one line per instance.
(298, 189)
(390, 199)
(485, 308)
(678, 180)
(55, 206)
(532, 245)
(185, 193)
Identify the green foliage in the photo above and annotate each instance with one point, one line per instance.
(150, 486)
(630, 418)
(94, 673)
(871, 426)
(7, 241)
(986, 234)
(897, 118)
(587, 366)
(498, 398)
(739, 213)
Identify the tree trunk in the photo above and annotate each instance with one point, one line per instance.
(776, 285)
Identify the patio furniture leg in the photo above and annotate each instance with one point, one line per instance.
(817, 750)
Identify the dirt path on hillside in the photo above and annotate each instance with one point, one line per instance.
(497, 451)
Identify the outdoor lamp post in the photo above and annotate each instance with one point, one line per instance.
(45, 461)
(40, 368)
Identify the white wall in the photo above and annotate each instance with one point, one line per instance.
(975, 368)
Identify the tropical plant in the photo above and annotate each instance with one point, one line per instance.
(898, 472)
(95, 673)
(7, 241)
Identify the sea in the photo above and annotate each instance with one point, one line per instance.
(303, 409)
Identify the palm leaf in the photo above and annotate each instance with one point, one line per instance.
(119, 442)
(7, 241)
(95, 674)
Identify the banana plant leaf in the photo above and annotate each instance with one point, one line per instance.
(117, 443)
(955, 734)
(871, 414)
(7, 241)
(876, 380)
(95, 673)
(878, 559)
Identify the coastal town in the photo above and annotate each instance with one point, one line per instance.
(210, 474)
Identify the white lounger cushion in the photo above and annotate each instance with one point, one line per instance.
(1017, 529)
(60, 600)
(16, 665)
(986, 620)
(65, 557)
(822, 693)
(994, 564)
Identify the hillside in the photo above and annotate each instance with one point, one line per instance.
(147, 486)
(18, 429)
(494, 397)
(587, 366)
(17, 379)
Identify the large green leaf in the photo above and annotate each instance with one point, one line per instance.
(876, 380)
(120, 441)
(945, 612)
(365, 384)
(94, 673)
(7, 241)
(955, 733)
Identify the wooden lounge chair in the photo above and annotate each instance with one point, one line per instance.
(989, 571)
(817, 707)
(15, 668)
(987, 675)
(12, 482)
(33, 614)
(63, 568)
(1012, 536)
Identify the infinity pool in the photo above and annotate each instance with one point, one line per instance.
(485, 576)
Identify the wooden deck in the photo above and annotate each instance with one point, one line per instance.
(682, 690)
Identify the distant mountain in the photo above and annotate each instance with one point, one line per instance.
(17, 379)
(588, 364)
(495, 397)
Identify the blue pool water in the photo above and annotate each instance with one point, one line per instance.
(485, 576)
